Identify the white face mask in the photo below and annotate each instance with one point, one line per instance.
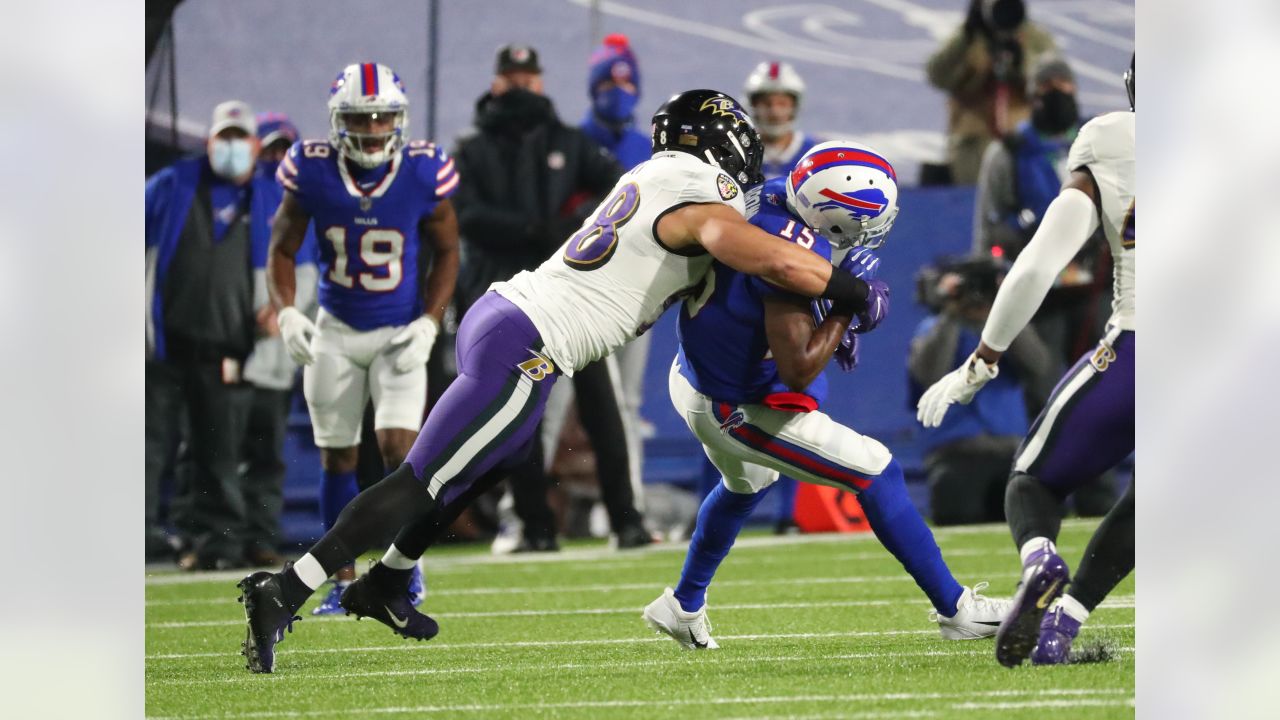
(231, 158)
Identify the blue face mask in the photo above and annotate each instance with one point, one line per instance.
(231, 159)
(615, 105)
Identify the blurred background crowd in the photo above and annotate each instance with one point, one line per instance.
(540, 128)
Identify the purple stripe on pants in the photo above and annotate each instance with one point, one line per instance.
(1086, 427)
(491, 411)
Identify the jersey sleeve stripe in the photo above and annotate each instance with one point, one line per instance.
(286, 179)
(445, 170)
(447, 186)
(288, 164)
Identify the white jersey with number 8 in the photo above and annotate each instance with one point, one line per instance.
(1105, 147)
(612, 279)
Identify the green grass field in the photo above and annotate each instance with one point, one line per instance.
(809, 627)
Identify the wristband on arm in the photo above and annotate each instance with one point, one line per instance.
(848, 294)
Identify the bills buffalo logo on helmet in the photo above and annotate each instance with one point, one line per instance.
(862, 204)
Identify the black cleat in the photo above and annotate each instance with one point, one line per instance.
(384, 595)
(267, 617)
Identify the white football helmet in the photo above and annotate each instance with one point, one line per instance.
(774, 76)
(368, 89)
(847, 192)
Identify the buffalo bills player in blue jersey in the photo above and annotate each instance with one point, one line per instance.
(748, 381)
(775, 91)
(374, 198)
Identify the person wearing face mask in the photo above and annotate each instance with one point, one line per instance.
(775, 90)
(206, 232)
(533, 181)
(983, 68)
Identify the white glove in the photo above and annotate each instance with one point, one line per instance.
(297, 330)
(957, 386)
(417, 337)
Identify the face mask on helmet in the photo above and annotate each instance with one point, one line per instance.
(370, 139)
(847, 192)
(231, 158)
(774, 113)
(714, 128)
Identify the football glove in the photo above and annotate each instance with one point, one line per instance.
(414, 343)
(297, 330)
(847, 351)
(877, 306)
(957, 386)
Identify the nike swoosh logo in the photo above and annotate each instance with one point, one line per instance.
(695, 642)
(402, 624)
(1043, 602)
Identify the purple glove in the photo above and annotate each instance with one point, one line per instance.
(861, 263)
(877, 306)
(847, 351)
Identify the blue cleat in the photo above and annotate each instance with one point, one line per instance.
(417, 586)
(383, 594)
(1057, 630)
(267, 617)
(1042, 583)
(330, 606)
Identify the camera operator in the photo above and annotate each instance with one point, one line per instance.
(968, 457)
(982, 70)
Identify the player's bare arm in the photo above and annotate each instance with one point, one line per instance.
(442, 228)
(288, 230)
(800, 350)
(1068, 223)
(746, 248)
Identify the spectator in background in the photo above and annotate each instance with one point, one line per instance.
(1021, 174)
(613, 83)
(981, 68)
(774, 91)
(271, 372)
(206, 232)
(532, 181)
(969, 456)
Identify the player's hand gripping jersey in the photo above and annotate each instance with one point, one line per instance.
(612, 279)
(1105, 148)
(724, 352)
(366, 222)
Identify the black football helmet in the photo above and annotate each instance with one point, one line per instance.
(1130, 80)
(714, 128)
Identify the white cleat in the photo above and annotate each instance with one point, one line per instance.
(691, 629)
(977, 616)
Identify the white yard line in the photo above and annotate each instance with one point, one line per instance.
(1118, 602)
(750, 543)
(434, 647)
(667, 702)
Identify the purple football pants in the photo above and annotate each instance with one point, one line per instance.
(1086, 427)
(489, 415)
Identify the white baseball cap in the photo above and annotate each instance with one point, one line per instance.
(234, 113)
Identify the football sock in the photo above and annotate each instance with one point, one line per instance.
(1035, 549)
(720, 518)
(300, 579)
(391, 502)
(902, 531)
(1109, 556)
(1032, 509)
(1072, 608)
(785, 492)
(397, 560)
(336, 490)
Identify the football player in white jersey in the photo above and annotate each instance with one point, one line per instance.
(1087, 426)
(650, 243)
